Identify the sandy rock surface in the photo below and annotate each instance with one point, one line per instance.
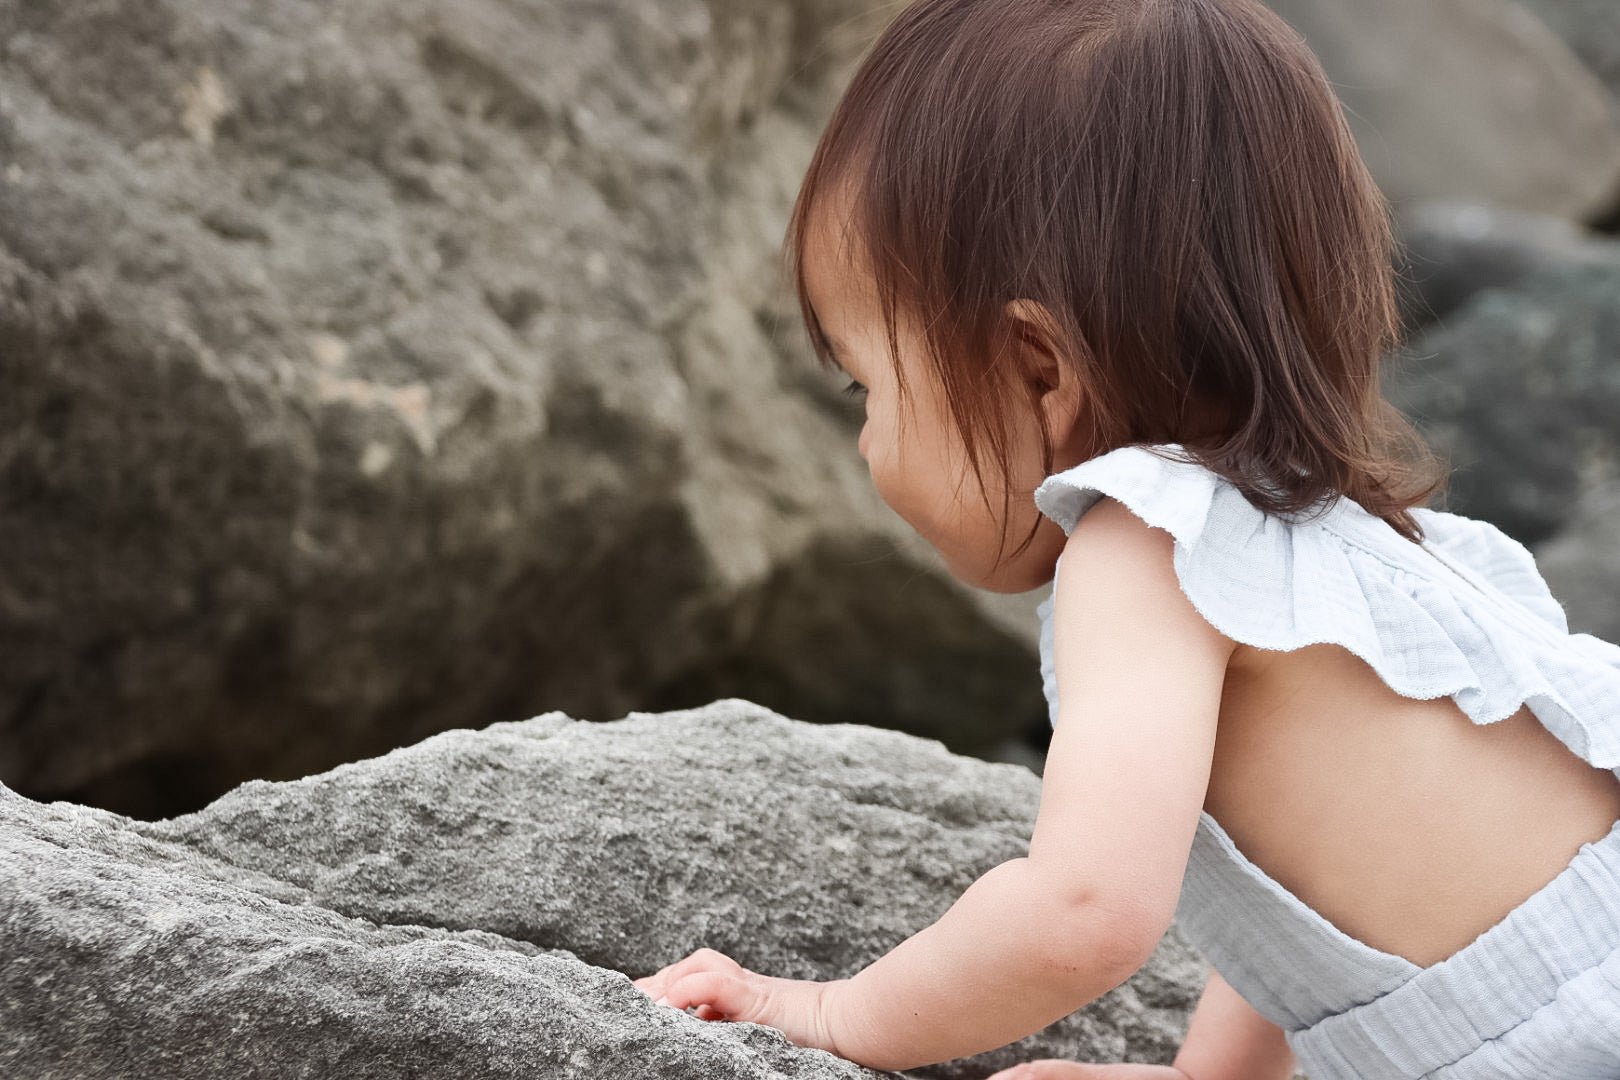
(402, 916)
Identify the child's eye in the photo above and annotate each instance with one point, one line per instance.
(854, 390)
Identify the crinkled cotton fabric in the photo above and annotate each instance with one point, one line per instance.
(1465, 615)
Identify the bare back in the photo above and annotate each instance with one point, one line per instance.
(1401, 821)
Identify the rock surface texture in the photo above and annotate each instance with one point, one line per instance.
(1468, 99)
(403, 916)
(1582, 563)
(376, 368)
(1451, 251)
(1520, 388)
(1591, 28)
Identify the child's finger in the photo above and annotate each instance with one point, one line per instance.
(1052, 1069)
(652, 985)
(718, 995)
(655, 985)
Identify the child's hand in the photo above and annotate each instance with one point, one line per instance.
(1074, 1070)
(712, 986)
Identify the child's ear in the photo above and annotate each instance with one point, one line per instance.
(1046, 363)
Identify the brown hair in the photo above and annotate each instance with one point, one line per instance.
(1174, 182)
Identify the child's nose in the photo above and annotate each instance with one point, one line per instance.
(860, 444)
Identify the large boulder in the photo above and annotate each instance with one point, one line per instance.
(1591, 28)
(1520, 389)
(1449, 251)
(376, 368)
(402, 916)
(1582, 563)
(1467, 99)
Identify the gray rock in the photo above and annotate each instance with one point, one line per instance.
(394, 916)
(1582, 563)
(1467, 99)
(1450, 251)
(374, 369)
(1591, 28)
(1520, 388)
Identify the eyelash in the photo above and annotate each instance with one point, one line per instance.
(854, 390)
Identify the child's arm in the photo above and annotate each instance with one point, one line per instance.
(1228, 1040)
(1140, 674)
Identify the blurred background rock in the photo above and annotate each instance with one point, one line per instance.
(379, 367)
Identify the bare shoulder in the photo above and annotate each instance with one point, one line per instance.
(1111, 541)
(1112, 521)
(1120, 570)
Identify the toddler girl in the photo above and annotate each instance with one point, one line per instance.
(1122, 256)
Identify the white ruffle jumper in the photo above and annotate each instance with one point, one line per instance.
(1466, 616)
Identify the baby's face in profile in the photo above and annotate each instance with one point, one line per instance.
(910, 440)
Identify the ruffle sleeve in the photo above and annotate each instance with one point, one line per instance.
(1464, 615)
